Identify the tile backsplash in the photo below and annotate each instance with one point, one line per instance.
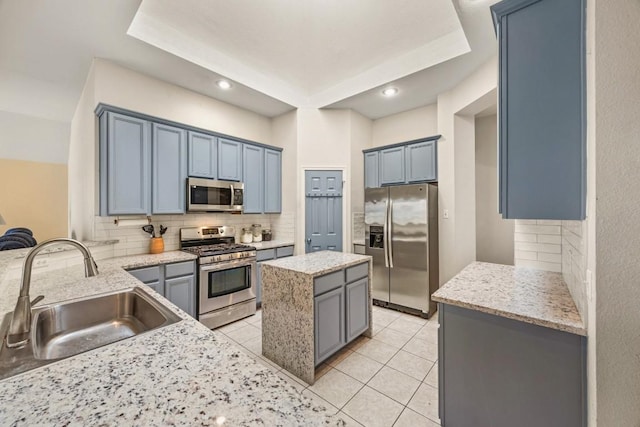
(357, 226)
(574, 261)
(134, 241)
(538, 244)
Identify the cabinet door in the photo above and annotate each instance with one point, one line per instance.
(169, 169)
(357, 297)
(128, 165)
(253, 168)
(421, 162)
(542, 148)
(272, 181)
(392, 166)
(156, 286)
(371, 168)
(258, 288)
(182, 292)
(203, 155)
(229, 160)
(329, 324)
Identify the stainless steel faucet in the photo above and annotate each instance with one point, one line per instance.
(20, 327)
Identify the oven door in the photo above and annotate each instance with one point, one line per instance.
(208, 195)
(226, 283)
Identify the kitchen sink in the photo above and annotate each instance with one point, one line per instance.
(69, 328)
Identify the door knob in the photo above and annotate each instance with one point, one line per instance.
(308, 240)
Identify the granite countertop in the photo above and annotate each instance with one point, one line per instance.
(532, 296)
(271, 244)
(182, 374)
(318, 263)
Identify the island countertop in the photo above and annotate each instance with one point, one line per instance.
(318, 263)
(532, 296)
(181, 374)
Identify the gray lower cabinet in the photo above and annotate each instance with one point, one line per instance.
(541, 108)
(253, 174)
(501, 372)
(266, 255)
(272, 181)
(329, 316)
(341, 309)
(169, 166)
(125, 165)
(175, 281)
(357, 309)
(229, 160)
(203, 155)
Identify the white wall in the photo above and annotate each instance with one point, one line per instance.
(494, 235)
(284, 133)
(111, 84)
(406, 126)
(617, 229)
(456, 166)
(361, 137)
(24, 137)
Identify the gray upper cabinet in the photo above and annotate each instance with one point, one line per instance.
(203, 155)
(169, 169)
(421, 162)
(125, 165)
(253, 168)
(541, 108)
(392, 166)
(229, 160)
(272, 181)
(371, 168)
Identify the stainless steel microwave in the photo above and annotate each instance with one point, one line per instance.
(210, 195)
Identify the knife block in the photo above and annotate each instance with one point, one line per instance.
(156, 246)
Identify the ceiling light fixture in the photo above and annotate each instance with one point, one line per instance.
(223, 84)
(390, 91)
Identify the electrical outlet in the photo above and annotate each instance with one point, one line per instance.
(445, 214)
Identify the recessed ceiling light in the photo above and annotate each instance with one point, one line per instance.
(223, 84)
(390, 91)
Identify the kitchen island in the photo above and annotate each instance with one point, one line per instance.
(511, 349)
(181, 374)
(312, 306)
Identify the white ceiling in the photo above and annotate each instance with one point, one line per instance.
(280, 54)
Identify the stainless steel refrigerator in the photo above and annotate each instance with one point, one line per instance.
(401, 234)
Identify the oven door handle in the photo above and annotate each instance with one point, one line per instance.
(228, 264)
(233, 196)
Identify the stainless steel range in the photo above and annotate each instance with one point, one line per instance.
(227, 274)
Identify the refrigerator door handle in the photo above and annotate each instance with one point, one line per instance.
(385, 241)
(390, 231)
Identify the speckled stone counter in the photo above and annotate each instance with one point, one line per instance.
(532, 296)
(182, 374)
(271, 244)
(288, 307)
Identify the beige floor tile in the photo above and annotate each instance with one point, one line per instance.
(377, 350)
(349, 422)
(425, 402)
(393, 337)
(377, 327)
(339, 356)
(359, 367)
(401, 324)
(412, 365)
(432, 378)
(319, 402)
(358, 342)
(414, 319)
(384, 317)
(422, 348)
(410, 418)
(321, 370)
(254, 345)
(373, 409)
(336, 388)
(394, 384)
(266, 362)
(245, 333)
(232, 326)
(255, 318)
(428, 333)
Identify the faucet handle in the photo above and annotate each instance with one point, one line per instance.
(37, 300)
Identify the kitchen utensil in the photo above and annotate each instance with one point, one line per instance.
(149, 229)
(163, 229)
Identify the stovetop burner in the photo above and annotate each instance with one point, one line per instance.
(218, 249)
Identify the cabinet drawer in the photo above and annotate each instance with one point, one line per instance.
(357, 272)
(179, 269)
(146, 275)
(265, 254)
(327, 282)
(285, 251)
